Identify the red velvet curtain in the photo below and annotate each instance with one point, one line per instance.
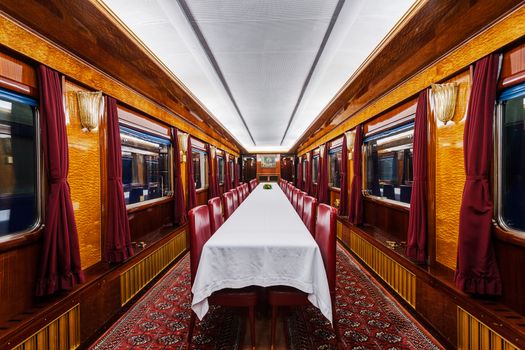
(417, 221)
(211, 177)
(117, 246)
(227, 175)
(190, 179)
(180, 216)
(477, 270)
(343, 195)
(216, 175)
(236, 172)
(60, 256)
(322, 179)
(355, 207)
(299, 173)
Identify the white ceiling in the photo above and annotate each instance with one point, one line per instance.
(264, 51)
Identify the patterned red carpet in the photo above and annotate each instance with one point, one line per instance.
(366, 319)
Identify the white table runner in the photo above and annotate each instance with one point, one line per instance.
(264, 243)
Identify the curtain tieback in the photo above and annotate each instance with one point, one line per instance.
(477, 177)
(58, 180)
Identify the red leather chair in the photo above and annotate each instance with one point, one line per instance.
(325, 233)
(228, 204)
(235, 199)
(216, 218)
(246, 190)
(295, 192)
(253, 184)
(289, 188)
(300, 203)
(200, 232)
(240, 193)
(309, 210)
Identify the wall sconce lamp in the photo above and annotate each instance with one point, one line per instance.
(183, 144)
(350, 136)
(444, 101)
(90, 108)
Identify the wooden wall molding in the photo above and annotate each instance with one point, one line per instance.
(25, 41)
(504, 31)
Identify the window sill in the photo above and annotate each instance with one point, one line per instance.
(201, 190)
(18, 240)
(508, 236)
(136, 207)
(335, 189)
(388, 203)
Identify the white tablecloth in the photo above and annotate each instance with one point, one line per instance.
(263, 243)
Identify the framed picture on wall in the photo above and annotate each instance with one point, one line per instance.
(268, 160)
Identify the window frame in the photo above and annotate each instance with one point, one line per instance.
(315, 156)
(147, 203)
(385, 131)
(337, 148)
(219, 172)
(204, 172)
(507, 94)
(33, 231)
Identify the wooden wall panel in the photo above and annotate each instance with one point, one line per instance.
(202, 197)
(84, 180)
(17, 75)
(389, 218)
(276, 171)
(150, 218)
(513, 69)
(450, 175)
(17, 280)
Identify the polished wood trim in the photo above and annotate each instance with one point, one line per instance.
(511, 237)
(483, 39)
(17, 75)
(149, 204)
(25, 41)
(20, 239)
(398, 115)
(387, 203)
(513, 67)
(139, 121)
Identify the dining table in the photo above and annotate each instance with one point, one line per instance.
(263, 243)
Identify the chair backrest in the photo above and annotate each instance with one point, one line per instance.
(325, 233)
(235, 198)
(216, 218)
(246, 190)
(300, 203)
(295, 192)
(200, 232)
(289, 191)
(253, 184)
(309, 210)
(240, 194)
(228, 204)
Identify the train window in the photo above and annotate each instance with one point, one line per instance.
(146, 169)
(315, 167)
(200, 168)
(18, 164)
(220, 169)
(388, 163)
(334, 168)
(511, 158)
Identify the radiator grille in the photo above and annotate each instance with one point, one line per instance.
(474, 334)
(395, 275)
(139, 275)
(61, 334)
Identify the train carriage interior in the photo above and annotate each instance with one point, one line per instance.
(262, 174)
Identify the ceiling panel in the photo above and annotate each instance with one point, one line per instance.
(264, 50)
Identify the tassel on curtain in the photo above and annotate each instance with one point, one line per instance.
(355, 208)
(117, 246)
(343, 195)
(417, 221)
(60, 266)
(192, 192)
(477, 271)
(179, 215)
